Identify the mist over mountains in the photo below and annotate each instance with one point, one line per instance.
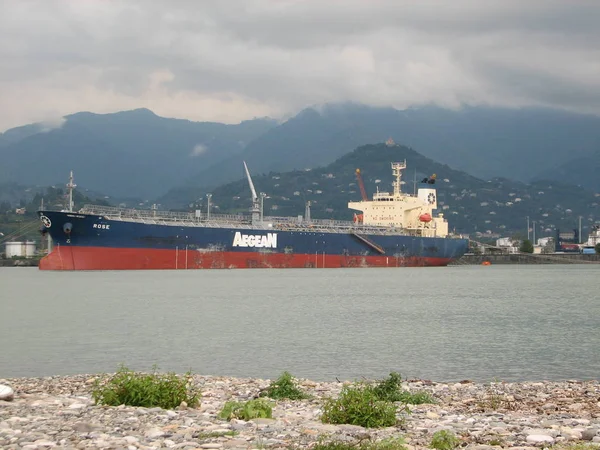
(127, 154)
(139, 154)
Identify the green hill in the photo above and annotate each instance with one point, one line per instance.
(471, 205)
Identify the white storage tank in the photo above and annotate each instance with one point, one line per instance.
(30, 249)
(20, 249)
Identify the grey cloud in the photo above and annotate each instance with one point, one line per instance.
(231, 60)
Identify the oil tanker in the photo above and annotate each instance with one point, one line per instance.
(393, 229)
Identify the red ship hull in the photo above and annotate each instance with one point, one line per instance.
(107, 258)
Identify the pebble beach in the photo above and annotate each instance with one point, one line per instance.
(58, 412)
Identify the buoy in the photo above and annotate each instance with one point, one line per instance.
(486, 263)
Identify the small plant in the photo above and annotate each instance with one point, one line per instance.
(495, 399)
(147, 390)
(391, 390)
(416, 398)
(252, 409)
(444, 440)
(392, 443)
(284, 387)
(359, 405)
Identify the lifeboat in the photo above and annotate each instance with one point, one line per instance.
(358, 218)
(425, 217)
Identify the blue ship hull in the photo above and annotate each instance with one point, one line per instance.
(93, 242)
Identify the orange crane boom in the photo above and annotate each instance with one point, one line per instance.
(361, 185)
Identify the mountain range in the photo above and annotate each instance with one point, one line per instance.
(521, 144)
(126, 154)
(140, 156)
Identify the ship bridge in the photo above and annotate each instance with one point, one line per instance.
(402, 210)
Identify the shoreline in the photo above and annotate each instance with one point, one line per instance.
(58, 411)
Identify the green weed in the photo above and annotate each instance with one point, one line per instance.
(391, 390)
(359, 405)
(392, 443)
(148, 390)
(252, 409)
(444, 440)
(284, 387)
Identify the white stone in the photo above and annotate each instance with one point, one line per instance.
(153, 433)
(44, 443)
(540, 438)
(77, 406)
(6, 393)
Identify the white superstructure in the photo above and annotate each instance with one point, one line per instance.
(594, 237)
(405, 211)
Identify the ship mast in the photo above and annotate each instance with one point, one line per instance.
(396, 171)
(255, 202)
(70, 187)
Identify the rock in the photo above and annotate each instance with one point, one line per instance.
(262, 421)
(154, 433)
(83, 427)
(60, 411)
(77, 405)
(6, 393)
(537, 438)
(588, 435)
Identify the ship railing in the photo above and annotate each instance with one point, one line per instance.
(173, 218)
(151, 216)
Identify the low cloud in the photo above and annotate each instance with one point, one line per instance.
(52, 124)
(199, 149)
(222, 61)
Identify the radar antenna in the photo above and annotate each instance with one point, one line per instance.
(397, 168)
(70, 187)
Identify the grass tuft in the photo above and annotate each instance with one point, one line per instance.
(444, 440)
(359, 405)
(284, 387)
(252, 409)
(392, 443)
(390, 389)
(147, 390)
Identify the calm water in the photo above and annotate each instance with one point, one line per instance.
(454, 323)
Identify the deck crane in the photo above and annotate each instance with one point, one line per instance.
(361, 185)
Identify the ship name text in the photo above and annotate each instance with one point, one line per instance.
(101, 226)
(255, 240)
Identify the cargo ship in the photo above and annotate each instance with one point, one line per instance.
(393, 229)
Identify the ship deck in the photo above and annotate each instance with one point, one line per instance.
(240, 221)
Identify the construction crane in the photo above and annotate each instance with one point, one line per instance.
(361, 185)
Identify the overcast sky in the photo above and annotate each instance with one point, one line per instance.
(228, 60)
